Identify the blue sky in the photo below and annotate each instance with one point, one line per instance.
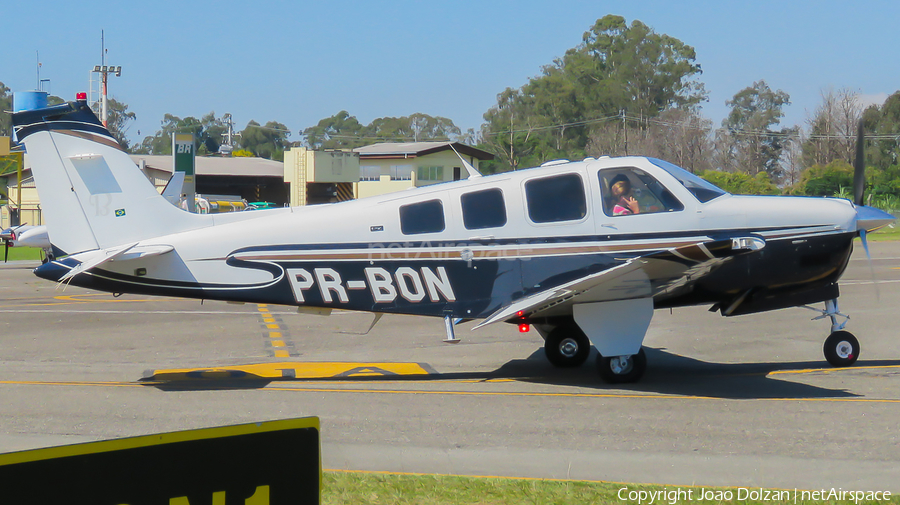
(298, 62)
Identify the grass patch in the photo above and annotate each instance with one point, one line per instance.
(24, 253)
(390, 489)
(406, 489)
(886, 234)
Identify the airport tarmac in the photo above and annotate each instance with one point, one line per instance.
(745, 401)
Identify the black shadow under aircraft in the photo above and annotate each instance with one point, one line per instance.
(583, 251)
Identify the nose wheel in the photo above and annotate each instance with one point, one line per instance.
(841, 348)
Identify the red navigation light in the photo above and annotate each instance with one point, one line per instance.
(81, 96)
(520, 313)
(524, 328)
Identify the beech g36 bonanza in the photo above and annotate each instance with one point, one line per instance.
(583, 251)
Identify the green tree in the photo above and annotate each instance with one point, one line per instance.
(340, 131)
(832, 129)
(749, 143)
(161, 141)
(617, 68)
(268, 141)
(510, 133)
(825, 180)
(5, 105)
(883, 123)
(211, 135)
(417, 127)
(740, 183)
(119, 121)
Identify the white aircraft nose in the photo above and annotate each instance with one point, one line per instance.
(870, 218)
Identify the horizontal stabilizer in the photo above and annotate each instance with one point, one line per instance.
(93, 259)
(96, 258)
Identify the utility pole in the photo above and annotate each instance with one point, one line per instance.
(104, 72)
(229, 135)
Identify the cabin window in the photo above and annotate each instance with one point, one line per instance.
(628, 191)
(554, 199)
(483, 209)
(422, 217)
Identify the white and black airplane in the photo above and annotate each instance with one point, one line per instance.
(549, 246)
(26, 235)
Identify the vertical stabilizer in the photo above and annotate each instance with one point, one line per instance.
(92, 195)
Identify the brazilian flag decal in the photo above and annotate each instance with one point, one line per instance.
(120, 212)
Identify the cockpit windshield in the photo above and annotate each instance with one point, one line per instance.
(701, 189)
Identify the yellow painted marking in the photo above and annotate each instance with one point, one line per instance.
(277, 343)
(262, 305)
(71, 383)
(282, 354)
(304, 370)
(268, 319)
(156, 439)
(78, 300)
(272, 326)
(830, 370)
(611, 396)
(578, 395)
(274, 334)
(264, 310)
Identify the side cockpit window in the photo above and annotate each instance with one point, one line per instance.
(629, 191)
(557, 198)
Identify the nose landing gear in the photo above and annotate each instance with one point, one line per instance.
(841, 347)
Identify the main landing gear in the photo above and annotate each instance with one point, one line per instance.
(566, 346)
(622, 369)
(841, 347)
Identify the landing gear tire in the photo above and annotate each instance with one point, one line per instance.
(841, 349)
(622, 369)
(567, 346)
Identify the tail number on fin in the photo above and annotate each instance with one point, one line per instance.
(411, 284)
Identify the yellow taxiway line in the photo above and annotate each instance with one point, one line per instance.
(293, 370)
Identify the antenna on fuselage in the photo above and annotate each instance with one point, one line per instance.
(473, 172)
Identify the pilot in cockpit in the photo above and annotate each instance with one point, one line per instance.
(622, 196)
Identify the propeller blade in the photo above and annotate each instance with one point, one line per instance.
(859, 167)
(865, 243)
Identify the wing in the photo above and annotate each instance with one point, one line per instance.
(660, 272)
